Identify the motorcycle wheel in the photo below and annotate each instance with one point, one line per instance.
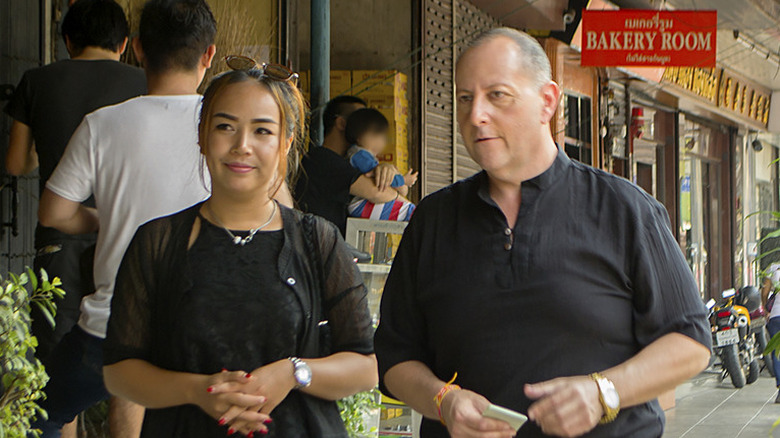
(753, 369)
(733, 366)
(761, 341)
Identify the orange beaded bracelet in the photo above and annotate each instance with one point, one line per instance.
(446, 389)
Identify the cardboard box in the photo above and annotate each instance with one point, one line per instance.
(340, 82)
(397, 150)
(303, 81)
(379, 83)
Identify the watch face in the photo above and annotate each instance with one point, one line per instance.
(303, 376)
(611, 397)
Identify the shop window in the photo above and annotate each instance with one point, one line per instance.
(577, 113)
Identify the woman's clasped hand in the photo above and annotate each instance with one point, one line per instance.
(244, 401)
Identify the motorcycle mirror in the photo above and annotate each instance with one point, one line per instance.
(728, 293)
(710, 304)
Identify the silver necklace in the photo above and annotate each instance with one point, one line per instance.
(238, 240)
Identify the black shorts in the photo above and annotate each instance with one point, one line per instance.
(70, 258)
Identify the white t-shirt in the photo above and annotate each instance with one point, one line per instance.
(141, 160)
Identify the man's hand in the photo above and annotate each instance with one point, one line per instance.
(462, 411)
(384, 174)
(410, 178)
(567, 406)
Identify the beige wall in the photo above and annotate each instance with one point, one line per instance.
(262, 41)
(249, 26)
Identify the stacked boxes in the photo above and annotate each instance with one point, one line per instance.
(385, 90)
(340, 83)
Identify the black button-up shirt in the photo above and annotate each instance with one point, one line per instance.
(589, 276)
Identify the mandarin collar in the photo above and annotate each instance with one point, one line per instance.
(553, 173)
(546, 179)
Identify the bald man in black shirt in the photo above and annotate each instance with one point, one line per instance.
(549, 287)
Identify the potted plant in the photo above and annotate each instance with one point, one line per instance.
(360, 413)
(23, 376)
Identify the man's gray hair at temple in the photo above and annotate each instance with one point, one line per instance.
(534, 59)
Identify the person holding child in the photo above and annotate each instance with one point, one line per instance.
(366, 132)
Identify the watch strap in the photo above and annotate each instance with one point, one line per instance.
(298, 363)
(610, 414)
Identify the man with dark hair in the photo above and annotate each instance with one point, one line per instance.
(339, 107)
(94, 23)
(328, 182)
(140, 159)
(166, 47)
(46, 108)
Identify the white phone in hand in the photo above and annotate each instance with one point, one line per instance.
(514, 419)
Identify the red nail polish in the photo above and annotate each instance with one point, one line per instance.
(248, 375)
(251, 434)
(209, 389)
(268, 421)
(231, 431)
(224, 370)
(221, 421)
(264, 432)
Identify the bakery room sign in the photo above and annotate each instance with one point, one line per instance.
(649, 38)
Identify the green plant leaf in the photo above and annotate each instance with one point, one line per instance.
(33, 278)
(772, 235)
(22, 374)
(46, 313)
(761, 256)
(773, 345)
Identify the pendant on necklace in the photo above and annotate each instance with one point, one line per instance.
(239, 241)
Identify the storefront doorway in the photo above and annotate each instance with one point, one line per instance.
(701, 190)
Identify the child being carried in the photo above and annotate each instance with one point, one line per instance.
(366, 131)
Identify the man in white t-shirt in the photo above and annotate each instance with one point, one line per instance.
(140, 159)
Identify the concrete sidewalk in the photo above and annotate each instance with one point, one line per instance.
(707, 408)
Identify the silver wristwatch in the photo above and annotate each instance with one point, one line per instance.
(301, 372)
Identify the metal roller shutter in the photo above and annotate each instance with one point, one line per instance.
(449, 24)
(470, 23)
(22, 47)
(438, 122)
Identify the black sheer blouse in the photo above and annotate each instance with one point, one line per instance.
(220, 305)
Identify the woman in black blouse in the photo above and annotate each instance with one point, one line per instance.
(215, 305)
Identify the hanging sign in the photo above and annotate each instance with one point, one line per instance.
(649, 38)
(723, 89)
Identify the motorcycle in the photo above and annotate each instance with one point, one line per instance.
(733, 341)
(750, 298)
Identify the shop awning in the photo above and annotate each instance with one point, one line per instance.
(527, 14)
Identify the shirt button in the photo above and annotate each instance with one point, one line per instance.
(291, 281)
(507, 246)
(508, 231)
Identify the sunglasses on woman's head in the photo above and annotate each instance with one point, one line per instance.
(276, 72)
